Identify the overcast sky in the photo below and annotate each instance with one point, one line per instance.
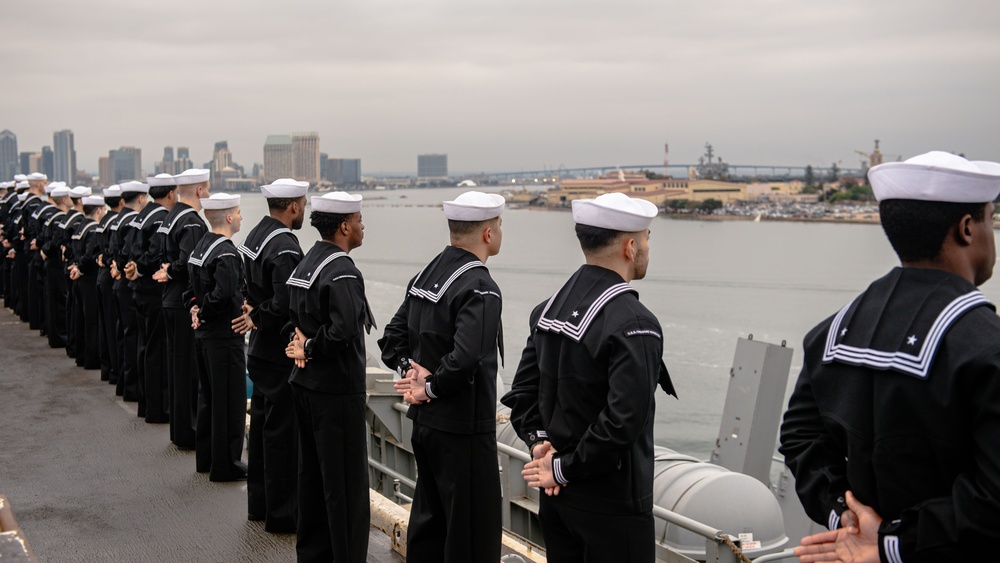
(507, 84)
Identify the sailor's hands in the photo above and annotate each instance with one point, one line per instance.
(161, 274)
(243, 324)
(131, 272)
(42, 253)
(538, 472)
(74, 272)
(195, 321)
(296, 349)
(413, 385)
(34, 244)
(855, 543)
(115, 274)
(100, 260)
(540, 450)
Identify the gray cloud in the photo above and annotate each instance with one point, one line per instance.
(508, 84)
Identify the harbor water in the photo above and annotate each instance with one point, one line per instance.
(709, 283)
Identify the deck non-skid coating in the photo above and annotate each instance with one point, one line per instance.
(90, 481)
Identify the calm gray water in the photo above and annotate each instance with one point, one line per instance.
(709, 283)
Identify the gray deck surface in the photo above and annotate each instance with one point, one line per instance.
(89, 481)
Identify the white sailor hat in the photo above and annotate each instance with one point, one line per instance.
(22, 196)
(112, 191)
(134, 186)
(80, 191)
(20, 178)
(53, 185)
(60, 191)
(936, 176)
(220, 201)
(37, 176)
(285, 187)
(337, 202)
(161, 180)
(5, 185)
(21, 185)
(192, 176)
(474, 206)
(93, 200)
(615, 211)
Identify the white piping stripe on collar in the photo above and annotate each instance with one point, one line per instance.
(83, 231)
(306, 284)
(253, 255)
(167, 228)
(834, 521)
(146, 219)
(53, 218)
(434, 297)
(121, 219)
(40, 210)
(891, 546)
(576, 332)
(918, 365)
(200, 262)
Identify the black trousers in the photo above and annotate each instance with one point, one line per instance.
(273, 458)
(107, 321)
(54, 305)
(128, 380)
(23, 259)
(69, 318)
(580, 536)
(154, 404)
(222, 408)
(15, 286)
(455, 515)
(87, 323)
(182, 376)
(334, 511)
(35, 286)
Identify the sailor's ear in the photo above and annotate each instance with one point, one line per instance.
(964, 230)
(629, 247)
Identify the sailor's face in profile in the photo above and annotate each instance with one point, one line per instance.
(987, 245)
(641, 254)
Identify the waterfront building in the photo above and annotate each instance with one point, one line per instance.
(126, 164)
(634, 184)
(104, 171)
(48, 164)
(344, 171)
(278, 161)
(324, 162)
(432, 166)
(305, 155)
(64, 165)
(9, 165)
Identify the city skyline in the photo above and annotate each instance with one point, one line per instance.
(511, 85)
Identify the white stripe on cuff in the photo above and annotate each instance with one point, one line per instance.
(557, 471)
(834, 521)
(427, 389)
(891, 545)
(542, 434)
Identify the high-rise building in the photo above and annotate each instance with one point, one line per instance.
(9, 164)
(183, 161)
(324, 159)
(25, 160)
(48, 162)
(126, 164)
(167, 165)
(432, 166)
(344, 171)
(278, 162)
(305, 156)
(104, 171)
(64, 166)
(168, 154)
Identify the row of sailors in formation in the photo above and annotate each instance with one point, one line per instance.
(136, 284)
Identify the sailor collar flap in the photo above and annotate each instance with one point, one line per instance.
(84, 230)
(572, 310)
(437, 277)
(308, 270)
(70, 217)
(149, 216)
(209, 253)
(121, 219)
(254, 245)
(167, 227)
(41, 210)
(898, 325)
(106, 221)
(53, 217)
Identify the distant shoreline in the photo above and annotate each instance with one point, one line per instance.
(720, 218)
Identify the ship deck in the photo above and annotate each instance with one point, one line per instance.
(90, 481)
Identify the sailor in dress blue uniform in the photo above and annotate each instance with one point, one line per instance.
(582, 398)
(891, 431)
